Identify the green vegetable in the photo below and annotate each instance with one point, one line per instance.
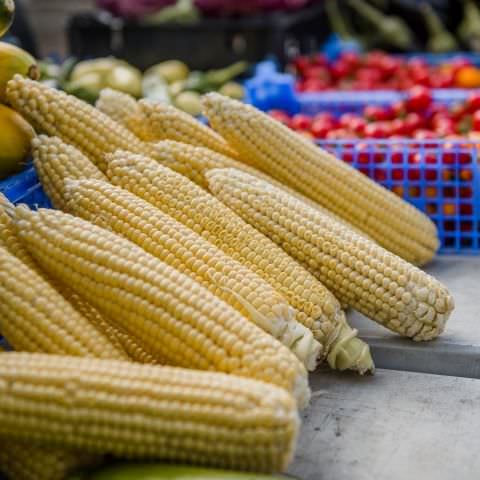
(440, 39)
(184, 11)
(232, 90)
(213, 79)
(337, 20)
(169, 71)
(167, 472)
(124, 78)
(156, 90)
(102, 66)
(469, 29)
(216, 78)
(189, 102)
(391, 29)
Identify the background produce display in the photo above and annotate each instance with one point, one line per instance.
(170, 82)
(379, 70)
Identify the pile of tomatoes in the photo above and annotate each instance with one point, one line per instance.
(380, 71)
(418, 116)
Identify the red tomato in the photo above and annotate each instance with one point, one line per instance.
(476, 121)
(413, 121)
(280, 116)
(314, 85)
(419, 99)
(326, 117)
(473, 102)
(376, 130)
(398, 127)
(301, 63)
(340, 133)
(346, 119)
(375, 113)
(320, 128)
(350, 58)
(300, 122)
(339, 69)
(442, 79)
(319, 59)
(399, 109)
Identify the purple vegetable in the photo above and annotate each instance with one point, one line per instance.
(248, 6)
(133, 8)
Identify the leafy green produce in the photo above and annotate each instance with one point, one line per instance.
(440, 39)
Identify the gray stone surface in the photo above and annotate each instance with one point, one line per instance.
(391, 426)
(457, 350)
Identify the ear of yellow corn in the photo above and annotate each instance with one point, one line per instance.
(55, 161)
(193, 162)
(189, 204)
(76, 122)
(146, 412)
(164, 122)
(159, 234)
(119, 106)
(35, 317)
(171, 314)
(373, 281)
(273, 148)
(120, 339)
(20, 461)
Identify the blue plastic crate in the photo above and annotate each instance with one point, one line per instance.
(24, 187)
(441, 179)
(338, 102)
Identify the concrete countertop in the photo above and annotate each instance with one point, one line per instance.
(457, 350)
(391, 426)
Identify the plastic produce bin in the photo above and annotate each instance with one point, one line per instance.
(441, 179)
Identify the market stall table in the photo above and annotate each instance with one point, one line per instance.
(394, 425)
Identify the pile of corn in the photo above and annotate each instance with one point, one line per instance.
(199, 273)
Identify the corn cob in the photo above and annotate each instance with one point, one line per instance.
(174, 316)
(164, 122)
(76, 122)
(118, 337)
(193, 162)
(119, 106)
(189, 204)
(144, 411)
(273, 148)
(55, 161)
(157, 233)
(35, 317)
(375, 282)
(21, 461)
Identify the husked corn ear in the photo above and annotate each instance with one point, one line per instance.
(120, 340)
(372, 280)
(76, 122)
(119, 106)
(35, 317)
(146, 412)
(171, 314)
(193, 162)
(167, 239)
(177, 196)
(56, 161)
(20, 461)
(8, 235)
(164, 122)
(273, 148)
